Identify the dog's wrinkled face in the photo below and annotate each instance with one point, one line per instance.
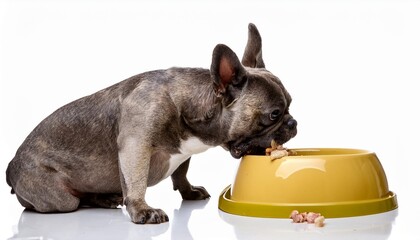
(258, 100)
(261, 115)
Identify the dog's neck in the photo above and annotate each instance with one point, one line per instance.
(201, 110)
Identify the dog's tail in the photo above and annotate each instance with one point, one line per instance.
(8, 179)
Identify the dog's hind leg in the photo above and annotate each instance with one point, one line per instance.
(43, 190)
(102, 200)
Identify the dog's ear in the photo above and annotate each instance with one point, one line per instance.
(253, 50)
(226, 70)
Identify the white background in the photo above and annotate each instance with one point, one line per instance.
(352, 68)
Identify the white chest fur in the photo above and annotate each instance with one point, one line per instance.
(187, 148)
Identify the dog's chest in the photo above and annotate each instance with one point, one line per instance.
(187, 148)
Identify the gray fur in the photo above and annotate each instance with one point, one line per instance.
(105, 149)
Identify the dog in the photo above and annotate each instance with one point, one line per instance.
(105, 149)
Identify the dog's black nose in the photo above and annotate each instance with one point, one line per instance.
(292, 123)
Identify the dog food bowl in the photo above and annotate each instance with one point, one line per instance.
(334, 182)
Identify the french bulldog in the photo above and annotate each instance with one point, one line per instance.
(105, 149)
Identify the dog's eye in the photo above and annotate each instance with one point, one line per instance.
(270, 118)
(274, 115)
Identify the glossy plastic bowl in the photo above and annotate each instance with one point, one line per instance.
(334, 182)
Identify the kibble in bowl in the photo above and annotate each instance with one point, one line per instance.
(277, 151)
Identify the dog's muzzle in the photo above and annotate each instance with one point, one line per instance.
(257, 144)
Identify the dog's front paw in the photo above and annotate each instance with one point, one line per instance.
(141, 213)
(149, 216)
(195, 193)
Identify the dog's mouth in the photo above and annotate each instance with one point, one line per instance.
(256, 145)
(238, 150)
(250, 147)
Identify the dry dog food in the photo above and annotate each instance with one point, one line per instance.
(309, 217)
(277, 151)
(319, 221)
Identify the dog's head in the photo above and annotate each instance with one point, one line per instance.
(256, 102)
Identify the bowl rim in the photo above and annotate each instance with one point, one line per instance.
(329, 210)
(344, 152)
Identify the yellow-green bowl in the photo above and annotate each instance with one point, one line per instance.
(334, 182)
